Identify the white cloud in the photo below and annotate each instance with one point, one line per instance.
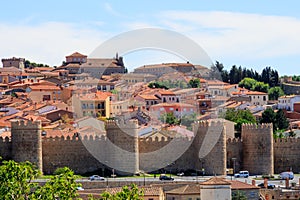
(47, 43)
(247, 36)
(110, 10)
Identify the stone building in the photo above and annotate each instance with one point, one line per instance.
(14, 62)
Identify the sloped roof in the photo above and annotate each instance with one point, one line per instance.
(216, 181)
(187, 189)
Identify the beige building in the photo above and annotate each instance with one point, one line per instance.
(91, 104)
(132, 78)
(256, 98)
(39, 93)
(215, 188)
(187, 192)
(14, 62)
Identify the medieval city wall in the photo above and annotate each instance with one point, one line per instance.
(234, 154)
(258, 152)
(5, 148)
(286, 155)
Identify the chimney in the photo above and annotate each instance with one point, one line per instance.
(253, 182)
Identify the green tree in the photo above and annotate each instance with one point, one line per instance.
(281, 120)
(61, 186)
(238, 195)
(247, 83)
(169, 118)
(194, 83)
(132, 193)
(16, 180)
(261, 87)
(275, 92)
(240, 117)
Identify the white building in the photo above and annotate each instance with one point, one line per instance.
(287, 102)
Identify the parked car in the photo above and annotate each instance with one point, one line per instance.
(79, 188)
(286, 175)
(242, 174)
(180, 174)
(96, 177)
(165, 177)
(270, 185)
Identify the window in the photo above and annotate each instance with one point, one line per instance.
(264, 98)
(171, 108)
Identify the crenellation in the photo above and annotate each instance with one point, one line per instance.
(255, 147)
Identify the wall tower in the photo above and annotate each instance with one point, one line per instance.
(26, 142)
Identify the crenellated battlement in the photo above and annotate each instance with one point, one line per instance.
(5, 139)
(111, 124)
(234, 141)
(257, 126)
(21, 124)
(287, 140)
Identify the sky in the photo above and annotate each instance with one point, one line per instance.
(252, 34)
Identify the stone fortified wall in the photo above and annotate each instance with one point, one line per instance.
(26, 142)
(258, 151)
(234, 155)
(286, 155)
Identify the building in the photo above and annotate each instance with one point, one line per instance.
(178, 109)
(91, 104)
(132, 78)
(190, 192)
(14, 62)
(77, 63)
(287, 102)
(165, 68)
(215, 188)
(256, 98)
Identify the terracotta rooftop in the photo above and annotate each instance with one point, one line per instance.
(237, 185)
(187, 189)
(76, 54)
(94, 96)
(215, 181)
(148, 97)
(44, 87)
(166, 92)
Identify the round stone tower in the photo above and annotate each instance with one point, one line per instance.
(26, 142)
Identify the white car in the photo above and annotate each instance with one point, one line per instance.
(286, 175)
(96, 178)
(242, 174)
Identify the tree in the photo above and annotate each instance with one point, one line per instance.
(247, 83)
(275, 93)
(194, 83)
(281, 120)
(261, 87)
(238, 195)
(132, 193)
(278, 119)
(240, 117)
(16, 180)
(169, 118)
(61, 186)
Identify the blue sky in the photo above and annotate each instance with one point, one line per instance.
(253, 34)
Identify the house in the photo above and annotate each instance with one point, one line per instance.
(190, 192)
(178, 109)
(167, 96)
(148, 100)
(91, 104)
(287, 102)
(132, 78)
(77, 63)
(256, 98)
(215, 188)
(164, 68)
(250, 191)
(44, 92)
